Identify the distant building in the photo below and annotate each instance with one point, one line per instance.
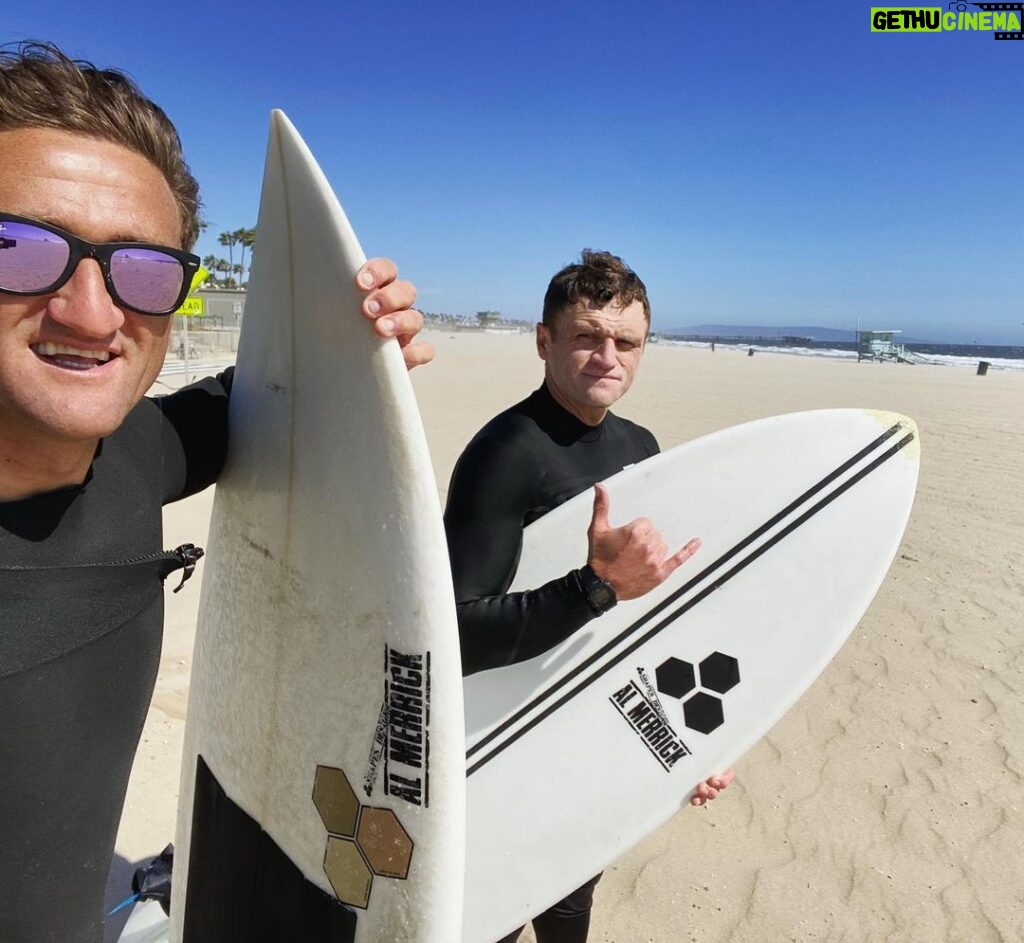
(491, 322)
(222, 308)
(879, 346)
(211, 329)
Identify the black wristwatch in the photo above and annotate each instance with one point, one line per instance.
(599, 593)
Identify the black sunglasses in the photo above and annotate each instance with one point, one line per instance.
(37, 258)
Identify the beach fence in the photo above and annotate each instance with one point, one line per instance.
(207, 335)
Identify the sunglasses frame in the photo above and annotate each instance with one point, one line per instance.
(101, 253)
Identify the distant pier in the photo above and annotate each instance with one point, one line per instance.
(742, 340)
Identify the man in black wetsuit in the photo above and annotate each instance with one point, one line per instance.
(558, 442)
(86, 461)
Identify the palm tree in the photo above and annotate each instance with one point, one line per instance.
(228, 239)
(246, 237)
(210, 264)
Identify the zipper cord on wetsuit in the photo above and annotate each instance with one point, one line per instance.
(186, 556)
(190, 555)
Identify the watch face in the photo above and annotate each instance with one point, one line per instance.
(600, 595)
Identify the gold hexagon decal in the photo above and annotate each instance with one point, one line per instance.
(361, 841)
(384, 843)
(336, 801)
(349, 874)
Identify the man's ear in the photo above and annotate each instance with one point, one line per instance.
(543, 341)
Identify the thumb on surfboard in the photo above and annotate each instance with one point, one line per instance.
(602, 503)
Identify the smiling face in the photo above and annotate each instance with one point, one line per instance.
(591, 356)
(73, 363)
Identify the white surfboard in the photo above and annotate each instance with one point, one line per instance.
(323, 785)
(574, 756)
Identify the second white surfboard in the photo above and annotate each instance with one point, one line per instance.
(574, 756)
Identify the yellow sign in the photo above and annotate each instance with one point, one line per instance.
(193, 307)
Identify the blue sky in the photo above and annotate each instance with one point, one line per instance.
(756, 163)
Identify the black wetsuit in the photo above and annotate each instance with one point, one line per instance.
(81, 620)
(523, 463)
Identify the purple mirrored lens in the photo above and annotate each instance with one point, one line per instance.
(146, 279)
(31, 259)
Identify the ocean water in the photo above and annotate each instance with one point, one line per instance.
(937, 355)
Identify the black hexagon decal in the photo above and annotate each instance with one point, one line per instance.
(719, 672)
(703, 712)
(675, 677)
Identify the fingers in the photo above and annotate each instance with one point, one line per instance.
(386, 293)
(418, 354)
(376, 273)
(389, 304)
(681, 556)
(395, 297)
(405, 323)
(633, 558)
(724, 779)
(599, 521)
(712, 787)
(705, 793)
(642, 528)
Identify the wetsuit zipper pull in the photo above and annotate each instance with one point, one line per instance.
(189, 554)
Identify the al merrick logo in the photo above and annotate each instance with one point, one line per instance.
(643, 712)
(1003, 20)
(402, 737)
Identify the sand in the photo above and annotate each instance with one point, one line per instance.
(887, 804)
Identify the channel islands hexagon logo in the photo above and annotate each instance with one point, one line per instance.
(363, 842)
(715, 675)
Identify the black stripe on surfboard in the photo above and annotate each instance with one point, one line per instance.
(654, 611)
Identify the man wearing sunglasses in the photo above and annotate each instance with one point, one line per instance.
(98, 215)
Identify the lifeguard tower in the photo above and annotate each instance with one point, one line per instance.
(879, 346)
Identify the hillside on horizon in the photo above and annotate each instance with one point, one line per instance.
(815, 333)
(757, 330)
(831, 335)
